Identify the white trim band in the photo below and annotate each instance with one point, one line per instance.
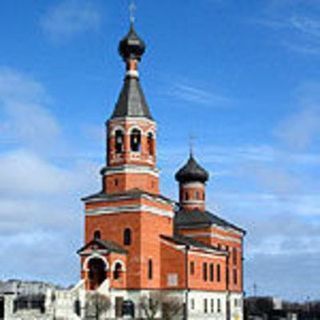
(129, 209)
(131, 169)
(212, 236)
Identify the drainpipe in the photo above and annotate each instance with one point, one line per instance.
(228, 305)
(186, 311)
(242, 284)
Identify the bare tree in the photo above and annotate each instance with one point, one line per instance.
(170, 306)
(97, 305)
(150, 305)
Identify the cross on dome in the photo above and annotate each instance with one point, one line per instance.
(132, 10)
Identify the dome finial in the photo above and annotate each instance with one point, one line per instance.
(132, 47)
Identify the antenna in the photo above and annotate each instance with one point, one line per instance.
(132, 11)
(255, 289)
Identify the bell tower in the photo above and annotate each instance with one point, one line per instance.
(124, 221)
(131, 130)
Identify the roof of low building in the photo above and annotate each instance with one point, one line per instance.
(132, 194)
(187, 241)
(196, 218)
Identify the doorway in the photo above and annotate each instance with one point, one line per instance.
(97, 273)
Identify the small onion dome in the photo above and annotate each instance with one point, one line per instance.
(132, 46)
(192, 172)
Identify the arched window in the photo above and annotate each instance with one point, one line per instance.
(127, 237)
(150, 142)
(205, 271)
(117, 271)
(234, 256)
(119, 138)
(197, 195)
(218, 273)
(135, 140)
(205, 305)
(211, 272)
(150, 269)
(77, 307)
(203, 196)
(235, 276)
(192, 267)
(219, 305)
(186, 195)
(97, 234)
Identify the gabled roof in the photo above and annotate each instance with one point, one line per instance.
(187, 241)
(103, 244)
(131, 101)
(197, 218)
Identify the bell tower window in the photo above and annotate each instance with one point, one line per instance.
(150, 144)
(97, 234)
(135, 140)
(119, 141)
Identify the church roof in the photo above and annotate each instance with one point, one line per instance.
(103, 244)
(187, 241)
(133, 193)
(192, 171)
(132, 46)
(197, 218)
(131, 101)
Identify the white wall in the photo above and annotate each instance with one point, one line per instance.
(63, 305)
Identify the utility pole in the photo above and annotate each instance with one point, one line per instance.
(255, 289)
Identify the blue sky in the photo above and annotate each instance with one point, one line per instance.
(241, 76)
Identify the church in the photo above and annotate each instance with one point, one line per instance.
(138, 241)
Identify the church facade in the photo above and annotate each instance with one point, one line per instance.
(137, 241)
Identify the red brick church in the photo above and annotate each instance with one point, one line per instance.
(137, 241)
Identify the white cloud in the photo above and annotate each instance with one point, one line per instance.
(37, 194)
(297, 33)
(24, 172)
(16, 86)
(265, 205)
(191, 93)
(299, 130)
(40, 207)
(306, 25)
(24, 111)
(71, 17)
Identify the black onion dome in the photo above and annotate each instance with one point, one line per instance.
(192, 171)
(132, 46)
